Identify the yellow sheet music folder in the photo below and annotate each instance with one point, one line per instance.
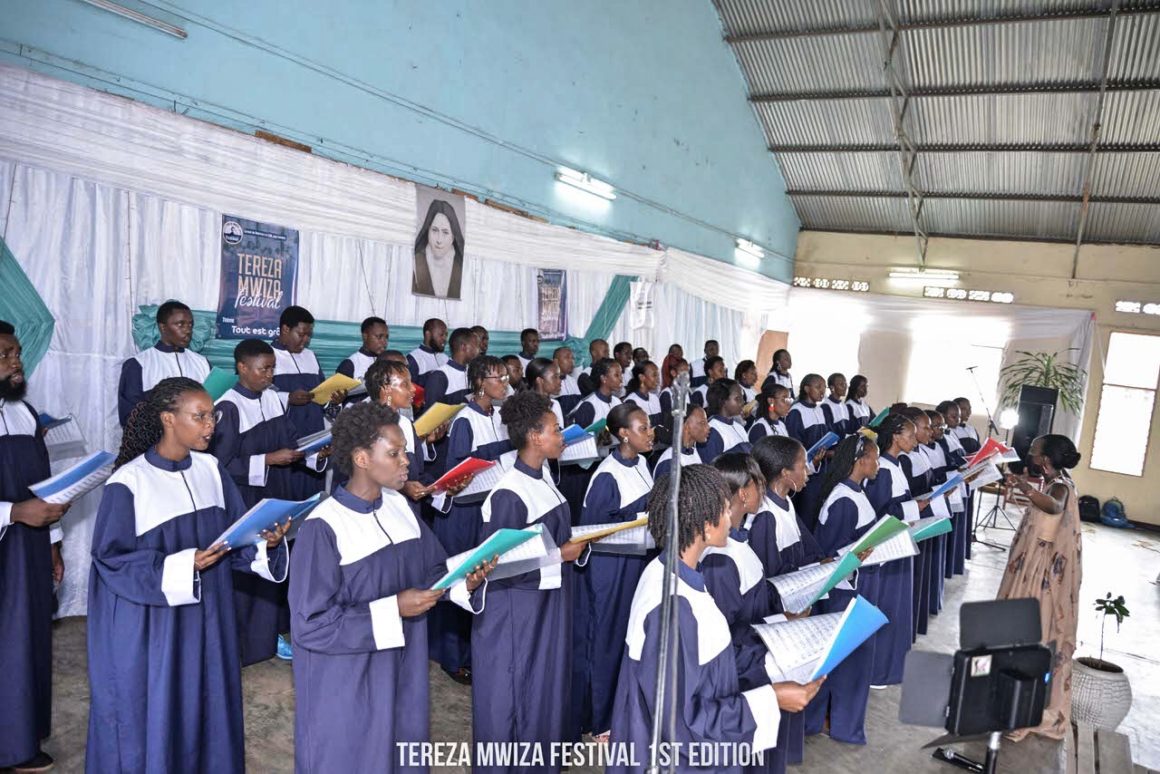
(582, 535)
(332, 385)
(435, 416)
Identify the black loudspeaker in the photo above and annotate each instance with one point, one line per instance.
(1036, 418)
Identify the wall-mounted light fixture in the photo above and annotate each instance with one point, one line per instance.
(137, 16)
(586, 183)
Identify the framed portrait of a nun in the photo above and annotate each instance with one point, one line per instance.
(438, 267)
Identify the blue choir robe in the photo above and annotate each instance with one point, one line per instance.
(664, 466)
(300, 372)
(422, 360)
(697, 375)
(447, 384)
(26, 598)
(142, 372)
(939, 469)
(249, 426)
(666, 401)
(479, 434)
(725, 435)
(523, 636)
(844, 517)
(569, 393)
(164, 668)
(785, 380)
(916, 467)
(595, 406)
(712, 707)
(889, 493)
(735, 578)
(360, 668)
(859, 413)
(618, 492)
(763, 427)
(700, 395)
(806, 422)
(421, 457)
(574, 483)
(779, 539)
(969, 439)
(357, 364)
(837, 416)
(956, 554)
(650, 403)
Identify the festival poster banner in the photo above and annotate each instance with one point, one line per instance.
(553, 303)
(259, 267)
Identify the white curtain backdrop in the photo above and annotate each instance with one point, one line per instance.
(109, 205)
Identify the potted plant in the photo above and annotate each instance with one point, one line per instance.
(1100, 692)
(1042, 369)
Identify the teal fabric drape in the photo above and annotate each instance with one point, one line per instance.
(333, 340)
(22, 306)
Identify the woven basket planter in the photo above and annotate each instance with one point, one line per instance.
(1100, 693)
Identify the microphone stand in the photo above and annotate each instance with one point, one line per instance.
(670, 632)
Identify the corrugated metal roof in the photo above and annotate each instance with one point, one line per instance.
(1003, 97)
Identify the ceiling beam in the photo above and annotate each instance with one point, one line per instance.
(934, 24)
(1085, 87)
(962, 235)
(971, 147)
(1015, 197)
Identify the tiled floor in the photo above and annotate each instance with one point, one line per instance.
(1123, 562)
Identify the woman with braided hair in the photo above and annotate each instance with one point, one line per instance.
(889, 493)
(164, 665)
(846, 514)
(364, 565)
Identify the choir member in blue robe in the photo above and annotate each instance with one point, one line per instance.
(694, 433)
(845, 515)
(569, 387)
(164, 667)
(774, 529)
(676, 367)
(363, 567)
(597, 351)
(255, 443)
(524, 634)
(296, 374)
(956, 455)
(529, 347)
(780, 540)
(376, 337)
(643, 388)
(429, 355)
(889, 493)
(834, 406)
(726, 428)
(714, 371)
(622, 354)
(170, 356)
(735, 578)
(857, 408)
(969, 438)
(482, 337)
(618, 492)
(477, 431)
(28, 559)
(940, 469)
(919, 477)
(699, 369)
(806, 423)
(712, 708)
(448, 383)
(773, 405)
(607, 376)
(745, 374)
(779, 373)
(389, 384)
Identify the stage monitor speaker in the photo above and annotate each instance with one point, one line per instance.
(1036, 418)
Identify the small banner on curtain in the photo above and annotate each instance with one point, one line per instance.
(259, 266)
(642, 306)
(552, 293)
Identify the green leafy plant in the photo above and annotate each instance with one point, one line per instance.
(1042, 369)
(1110, 607)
